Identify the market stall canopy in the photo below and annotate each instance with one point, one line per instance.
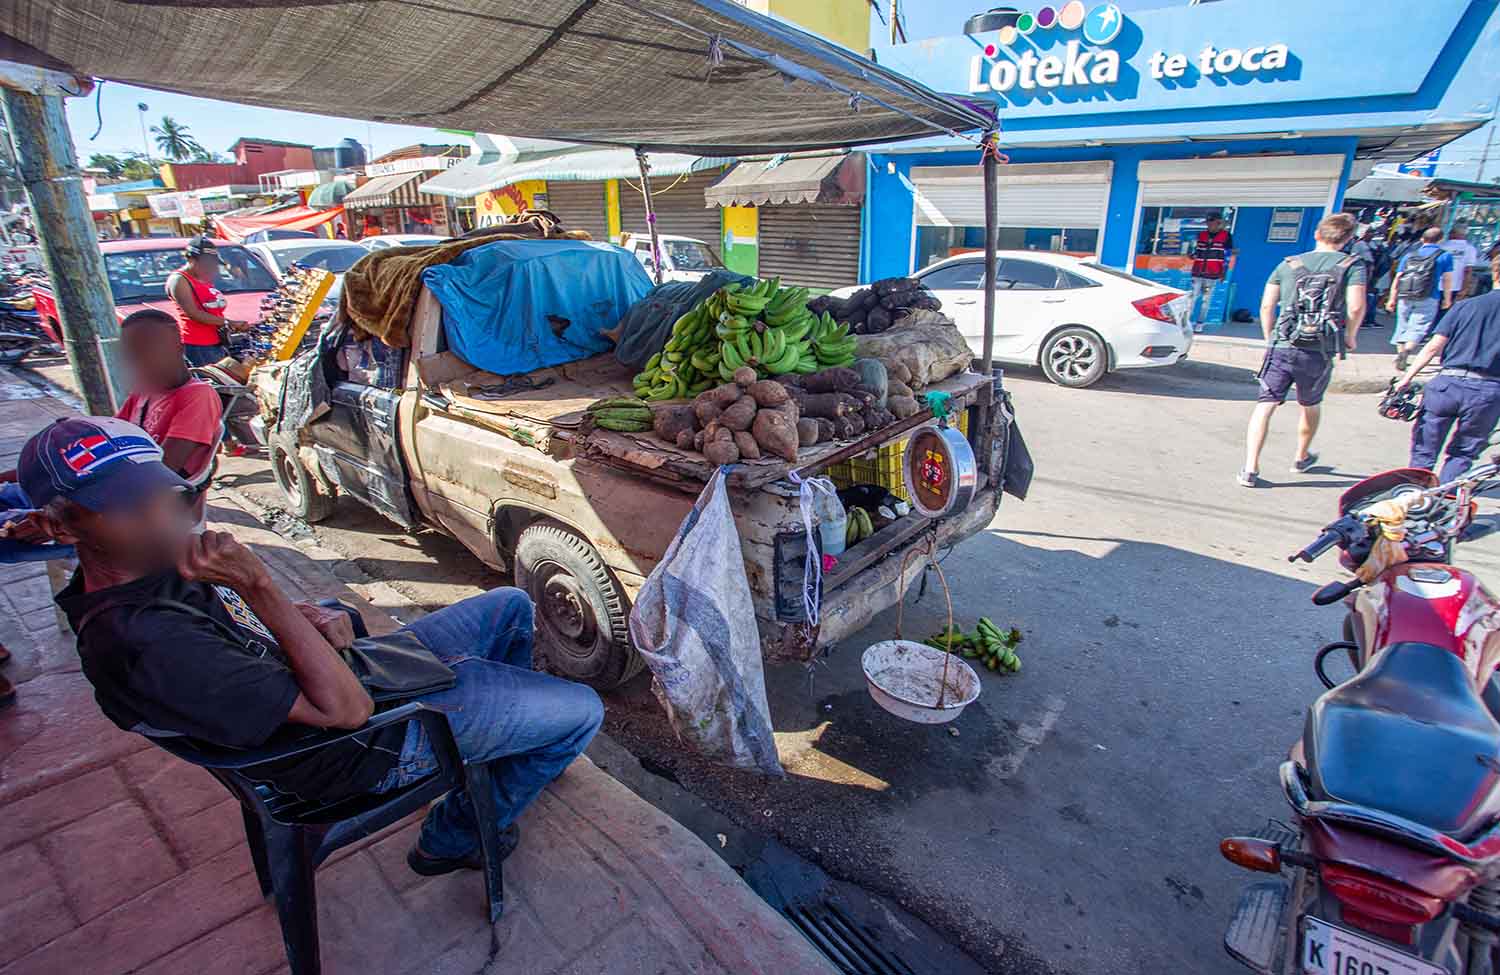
(330, 193)
(396, 190)
(1387, 188)
(828, 178)
(475, 175)
(291, 218)
(707, 77)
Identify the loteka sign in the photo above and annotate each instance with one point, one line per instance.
(1088, 61)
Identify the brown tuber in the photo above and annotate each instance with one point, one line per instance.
(739, 414)
(685, 439)
(807, 431)
(745, 376)
(668, 421)
(902, 406)
(825, 429)
(721, 452)
(725, 393)
(776, 434)
(835, 380)
(898, 388)
(827, 404)
(768, 392)
(745, 441)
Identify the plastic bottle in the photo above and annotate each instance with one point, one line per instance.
(830, 516)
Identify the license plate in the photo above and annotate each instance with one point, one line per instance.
(1329, 950)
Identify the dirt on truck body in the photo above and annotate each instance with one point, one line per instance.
(581, 518)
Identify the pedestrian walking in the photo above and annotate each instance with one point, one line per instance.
(1463, 399)
(1465, 259)
(1370, 247)
(1423, 286)
(1211, 254)
(1313, 302)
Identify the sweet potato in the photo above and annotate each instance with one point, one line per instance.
(685, 439)
(768, 392)
(827, 404)
(902, 406)
(721, 452)
(744, 376)
(699, 439)
(790, 408)
(739, 414)
(745, 441)
(725, 393)
(836, 380)
(807, 431)
(668, 421)
(776, 434)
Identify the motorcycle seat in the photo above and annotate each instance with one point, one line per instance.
(1409, 736)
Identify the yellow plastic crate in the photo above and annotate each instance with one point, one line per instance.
(882, 465)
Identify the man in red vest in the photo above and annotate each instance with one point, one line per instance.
(1211, 254)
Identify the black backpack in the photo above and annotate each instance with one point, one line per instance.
(1312, 316)
(1416, 280)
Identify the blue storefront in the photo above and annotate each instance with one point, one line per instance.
(1123, 133)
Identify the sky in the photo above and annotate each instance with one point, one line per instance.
(216, 125)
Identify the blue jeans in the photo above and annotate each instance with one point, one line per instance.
(204, 355)
(530, 725)
(1469, 408)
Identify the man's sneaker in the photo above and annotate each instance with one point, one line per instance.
(1305, 464)
(431, 866)
(1248, 479)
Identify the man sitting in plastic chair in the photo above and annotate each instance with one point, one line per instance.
(194, 638)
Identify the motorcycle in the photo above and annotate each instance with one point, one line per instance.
(21, 330)
(1391, 865)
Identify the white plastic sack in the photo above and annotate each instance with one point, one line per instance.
(694, 624)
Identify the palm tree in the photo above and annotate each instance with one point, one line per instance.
(174, 140)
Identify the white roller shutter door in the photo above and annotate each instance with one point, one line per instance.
(1030, 195)
(1241, 181)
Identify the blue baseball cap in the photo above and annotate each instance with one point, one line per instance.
(99, 462)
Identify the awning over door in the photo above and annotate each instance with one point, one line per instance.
(291, 218)
(836, 178)
(1243, 181)
(396, 190)
(1072, 194)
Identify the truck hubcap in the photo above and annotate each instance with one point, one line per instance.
(565, 609)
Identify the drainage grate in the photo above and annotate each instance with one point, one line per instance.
(845, 943)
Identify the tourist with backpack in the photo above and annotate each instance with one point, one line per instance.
(1423, 284)
(1311, 308)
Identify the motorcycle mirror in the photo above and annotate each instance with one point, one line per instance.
(1334, 591)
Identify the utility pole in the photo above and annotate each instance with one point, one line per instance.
(1484, 156)
(48, 168)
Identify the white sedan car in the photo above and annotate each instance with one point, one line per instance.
(380, 242)
(1076, 318)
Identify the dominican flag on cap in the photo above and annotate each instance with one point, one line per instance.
(97, 461)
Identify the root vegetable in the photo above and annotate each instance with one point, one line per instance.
(768, 392)
(902, 406)
(727, 393)
(721, 452)
(745, 441)
(790, 408)
(827, 404)
(836, 380)
(776, 434)
(843, 429)
(898, 388)
(669, 421)
(856, 424)
(872, 376)
(877, 419)
(897, 371)
(739, 414)
(699, 439)
(825, 428)
(685, 439)
(744, 376)
(807, 431)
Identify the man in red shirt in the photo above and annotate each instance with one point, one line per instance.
(181, 413)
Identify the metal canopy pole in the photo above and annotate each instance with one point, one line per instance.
(640, 158)
(48, 168)
(989, 158)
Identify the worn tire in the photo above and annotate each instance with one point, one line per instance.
(580, 609)
(1075, 357)
(304, 495)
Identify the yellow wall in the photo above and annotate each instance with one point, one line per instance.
(494, 206)
(845, 22)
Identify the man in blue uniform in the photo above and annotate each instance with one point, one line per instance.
(1464, 397)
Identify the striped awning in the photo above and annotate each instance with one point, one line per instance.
(396, 190)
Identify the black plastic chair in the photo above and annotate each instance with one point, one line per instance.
(289, 836)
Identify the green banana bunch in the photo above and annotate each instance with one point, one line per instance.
(997, 648)
(623, 413)
(858, 526)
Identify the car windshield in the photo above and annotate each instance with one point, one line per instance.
(1116, 273)
(142, 275)
(690, 255)
(329, 258)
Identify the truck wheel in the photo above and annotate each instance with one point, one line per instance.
(580, 610)
(303, 492)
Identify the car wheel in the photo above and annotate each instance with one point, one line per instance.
(304, 495)
(1075, 357)
(580, 608)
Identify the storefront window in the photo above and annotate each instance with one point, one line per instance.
(1174, 230)
(938, 243)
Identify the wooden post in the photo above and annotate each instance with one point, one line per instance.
(48, 168)
(991, 164)
(640, 158)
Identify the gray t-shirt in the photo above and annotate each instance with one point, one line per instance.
(1316, 262)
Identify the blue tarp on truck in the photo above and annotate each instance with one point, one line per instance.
(518, 305)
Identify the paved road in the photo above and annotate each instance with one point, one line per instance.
(1072, 823)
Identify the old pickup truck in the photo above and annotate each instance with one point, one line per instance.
(581, 519)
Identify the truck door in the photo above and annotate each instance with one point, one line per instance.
(356, 439)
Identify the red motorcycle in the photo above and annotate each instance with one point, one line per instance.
(1391, 865)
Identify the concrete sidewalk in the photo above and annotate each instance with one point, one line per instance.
(118, 858)
(1235, 350)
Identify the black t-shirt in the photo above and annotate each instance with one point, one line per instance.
(1473, 330)
(164, 671)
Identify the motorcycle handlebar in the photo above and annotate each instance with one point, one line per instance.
(1334, 591)
(1323, 543)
